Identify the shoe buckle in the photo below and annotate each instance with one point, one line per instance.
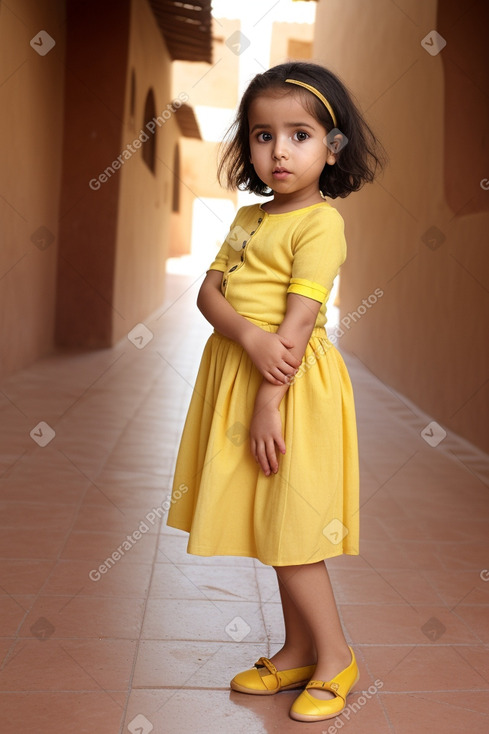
(266, 663)
(334, 686)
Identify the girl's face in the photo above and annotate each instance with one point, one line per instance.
(288, 148)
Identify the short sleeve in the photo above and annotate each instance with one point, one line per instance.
(222, 258)
(318, 254)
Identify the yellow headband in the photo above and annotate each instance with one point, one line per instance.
(318, 95)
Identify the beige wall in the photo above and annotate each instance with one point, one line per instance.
(66, 119)
(427, 335)
(214, 85)
(198, 177)
(94, 109)
(115, 235)
(283, 34)
(144, 215)
(31, 130)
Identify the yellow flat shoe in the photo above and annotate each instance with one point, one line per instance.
(309, 708)
(264, 679)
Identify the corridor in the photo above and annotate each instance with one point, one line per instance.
(109, 626)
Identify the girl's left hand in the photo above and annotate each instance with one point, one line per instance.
(266, 437)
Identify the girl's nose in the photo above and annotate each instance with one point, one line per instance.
(280, 149)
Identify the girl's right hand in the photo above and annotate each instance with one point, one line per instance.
(271, 355)
(266, 438)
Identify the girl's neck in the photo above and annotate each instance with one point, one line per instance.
(282, 203)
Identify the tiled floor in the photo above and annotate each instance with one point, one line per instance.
(143, 647)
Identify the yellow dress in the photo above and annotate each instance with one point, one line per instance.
(308, 511)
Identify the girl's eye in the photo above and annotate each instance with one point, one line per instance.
(264, 137)
(301, 135)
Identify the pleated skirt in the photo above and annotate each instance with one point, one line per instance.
(306, 512)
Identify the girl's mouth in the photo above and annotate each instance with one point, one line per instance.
(280, 173)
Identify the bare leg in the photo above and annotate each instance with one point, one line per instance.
(309, 588)
(298, 649)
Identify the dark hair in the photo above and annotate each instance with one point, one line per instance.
(356, 163)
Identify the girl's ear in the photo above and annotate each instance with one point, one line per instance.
(334, 141)
(330, 159)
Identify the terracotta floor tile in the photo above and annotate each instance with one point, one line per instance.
(469, 556)
(122, 579)
(43, 477)
(456, 530)
(170, 664)
(365, 586)
(6, 644)
(186, 581)
(477, 596)
(54, 493)
(69, 665)
(424, 713)
(119, 496)
(13, 611)
(373, 528)
(85, 453)
(415, 587)
(165, 631)
(188, 712)
(132, 480)
(382, 586)
(173, 549)
(85, 616)
(274, 622)
(143, 459)
(423, 555)
(347, 561)
(35, 514)
(477, 657)
(458, 587)
(167, 530)
(477, 701)
(394, 624)
(71, 713)
(477, 620)
(406, 669)
(239, 713)
(23, 543)
(139, 548)
(381, 505)
(266, 579)
(23, 576)
(94, 518)
(221, 621)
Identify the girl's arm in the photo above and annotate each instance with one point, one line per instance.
(271, 353)
(266, 424)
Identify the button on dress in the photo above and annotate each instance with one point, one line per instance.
(308, 511)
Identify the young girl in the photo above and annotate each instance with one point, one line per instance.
(269, 451)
